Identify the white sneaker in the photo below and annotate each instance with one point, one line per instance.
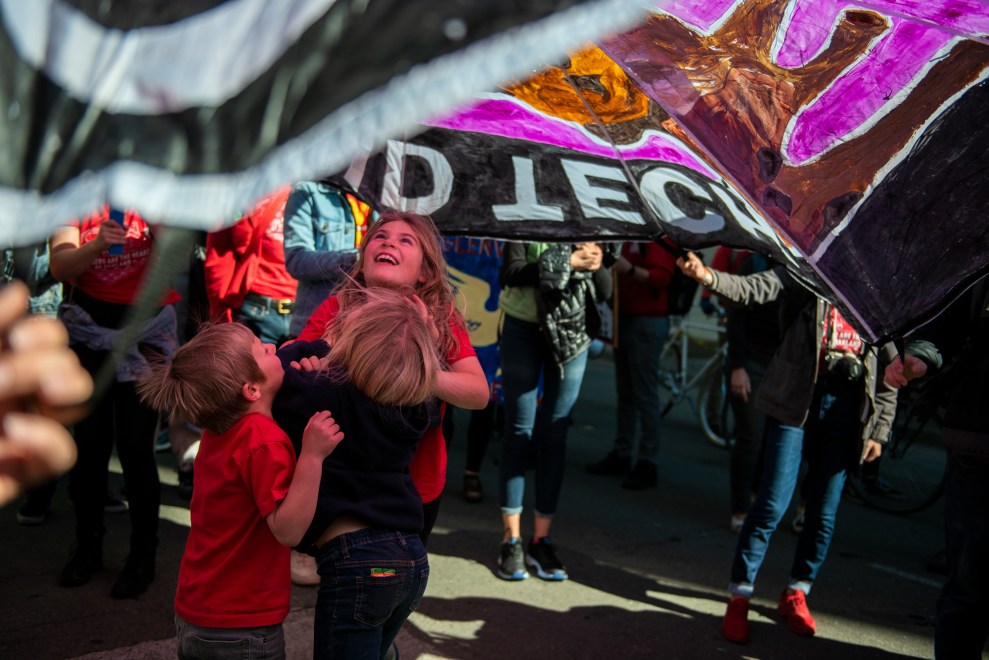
(304, 570)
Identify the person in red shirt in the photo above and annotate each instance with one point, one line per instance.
(252, 500)
(401, 250)
(245, 273)
(103, 257)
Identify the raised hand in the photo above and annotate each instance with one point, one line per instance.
(322, 435)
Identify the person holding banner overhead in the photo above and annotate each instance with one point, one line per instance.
(826, 403)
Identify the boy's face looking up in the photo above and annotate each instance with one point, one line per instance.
(270, 365)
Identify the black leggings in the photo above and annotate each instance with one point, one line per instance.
(118, 418)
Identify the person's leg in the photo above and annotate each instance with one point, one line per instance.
(645, 347)
(478, 435)
(521, 363)
(962, 621)
(88, 480)
(830, 440)
(626, 423)
(521, 360)
(782, 464)
(370, 582)
(618, 460)
(560, 392)
(750, 425)
(784, 446)
(135, 448)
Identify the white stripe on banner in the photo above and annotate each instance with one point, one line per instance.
(427, 90)
(203, 60)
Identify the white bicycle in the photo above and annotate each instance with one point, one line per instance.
(712, 404)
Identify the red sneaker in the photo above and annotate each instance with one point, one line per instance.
(794, 608)
(735, 625)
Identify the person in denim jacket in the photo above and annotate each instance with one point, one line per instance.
(324, 226)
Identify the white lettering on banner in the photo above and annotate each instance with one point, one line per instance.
(653, 187)
(442, 175)
(526, 206)
(589, 195)
(654, 191)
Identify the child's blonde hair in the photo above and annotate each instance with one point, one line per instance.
(386, 348)
(204, 380)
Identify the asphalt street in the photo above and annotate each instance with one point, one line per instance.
(648, 571)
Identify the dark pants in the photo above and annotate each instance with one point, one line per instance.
(962, 623)
(479, 431)
(118, 418)
(198, 643)
(370, 582)
(750, 425)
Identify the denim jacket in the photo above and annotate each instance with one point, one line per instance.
(320, 244)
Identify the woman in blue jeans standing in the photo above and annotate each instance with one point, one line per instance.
(824, 403)
(548, 293)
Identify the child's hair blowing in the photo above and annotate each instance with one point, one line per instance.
(386, 348)
(203, 381)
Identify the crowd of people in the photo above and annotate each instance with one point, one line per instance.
(322, 380)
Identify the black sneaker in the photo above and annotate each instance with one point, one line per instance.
(610, 464)
(541, 558)
(642, 476)
(473, 491)
(86, 561)
(32, 513)
(511, 561)
(138, 573)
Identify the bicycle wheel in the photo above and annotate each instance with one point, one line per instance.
(714, 410)
(909, 476)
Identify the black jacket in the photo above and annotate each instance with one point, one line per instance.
(564, 297)
(367, 475)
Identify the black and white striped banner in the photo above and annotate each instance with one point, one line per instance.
(189, 110)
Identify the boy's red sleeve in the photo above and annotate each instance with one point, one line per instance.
(268, 472)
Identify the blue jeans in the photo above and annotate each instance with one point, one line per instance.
(827, 441)
(524, 356)
(198, 643)
(263, 319)
(640, 343)
(370, 582)
(962, 622)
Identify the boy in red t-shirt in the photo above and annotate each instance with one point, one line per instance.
(252, 500)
